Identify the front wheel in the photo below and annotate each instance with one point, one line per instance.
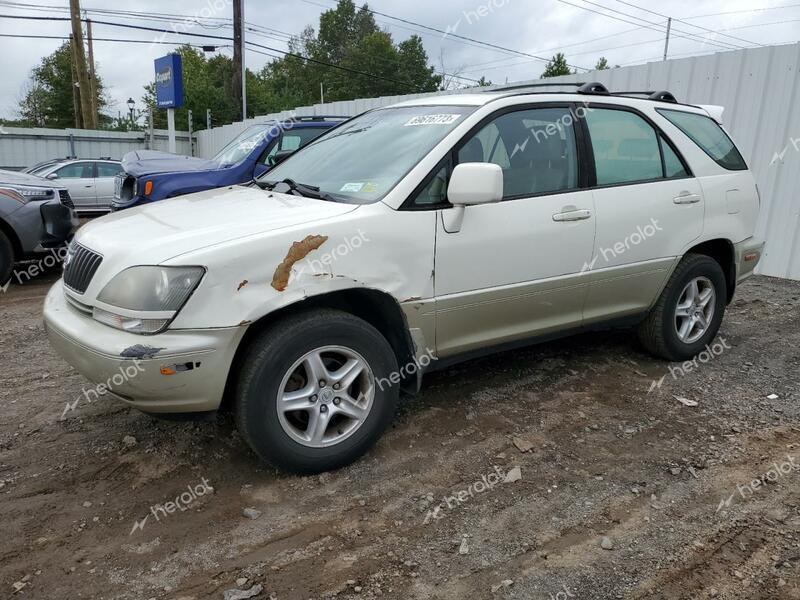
(312, 395)
(689, 311)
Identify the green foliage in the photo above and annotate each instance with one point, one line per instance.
(47, 100)
(602, 64)
(557, 67)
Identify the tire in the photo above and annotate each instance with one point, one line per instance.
(6, 259)
(659, 332)
(278, 362)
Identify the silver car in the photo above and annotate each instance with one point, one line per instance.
(90, 181)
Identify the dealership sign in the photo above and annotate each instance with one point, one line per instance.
(169, 81)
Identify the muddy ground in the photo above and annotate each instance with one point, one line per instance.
(600, 455)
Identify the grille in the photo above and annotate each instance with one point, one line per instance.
(63, 195)
(79, 267)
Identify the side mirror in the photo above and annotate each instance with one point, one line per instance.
(279, 157)
(52, 176)
(475, 183)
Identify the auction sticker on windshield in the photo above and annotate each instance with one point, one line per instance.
(433, 120)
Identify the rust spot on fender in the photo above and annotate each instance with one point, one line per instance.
(297, 252)
(241, 285)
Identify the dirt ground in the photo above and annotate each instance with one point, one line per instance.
(433, 511)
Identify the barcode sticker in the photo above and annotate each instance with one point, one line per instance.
(433, 120)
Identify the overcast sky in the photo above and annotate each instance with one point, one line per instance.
(540, 28)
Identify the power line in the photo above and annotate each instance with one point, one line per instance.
(652, 12)
(693, 36)
(736, 12)
(452, 34)
(218, 37)
(650, 25)
(97, 39)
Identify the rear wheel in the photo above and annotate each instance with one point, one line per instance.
(6, 258)
(310, 396)
(689, 312)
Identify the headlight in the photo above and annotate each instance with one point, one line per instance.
(23, 193)
(146, 299)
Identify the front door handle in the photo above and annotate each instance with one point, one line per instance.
(572, 215)
(686, 198)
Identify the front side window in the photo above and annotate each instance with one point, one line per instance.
(706, 133)
(365, 158)
(626, 147)
(294, 139)
(241, 147)
(535, 148)
(76, 171)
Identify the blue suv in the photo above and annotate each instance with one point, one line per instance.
(149, 175)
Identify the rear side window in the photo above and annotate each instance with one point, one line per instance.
(626, 147)
(108, 169)
(706, 133)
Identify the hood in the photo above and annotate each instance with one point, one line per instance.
(157, 232)
(151, 162)
(16, 177)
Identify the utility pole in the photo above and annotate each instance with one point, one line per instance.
(92, 76)
(80, 65)
(76, 95)
(239, 77)
(666, 42)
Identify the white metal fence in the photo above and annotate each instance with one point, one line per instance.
(760, 89)
(22, 147)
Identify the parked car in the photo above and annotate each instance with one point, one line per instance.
(35, 218)
(90, 182)
(151, 175)
(412, 237)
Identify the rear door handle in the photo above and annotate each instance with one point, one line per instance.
(572, 215)
(686, 198)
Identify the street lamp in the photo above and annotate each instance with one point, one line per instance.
(131, 105)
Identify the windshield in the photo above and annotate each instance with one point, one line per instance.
(362, 160)
(244, 144)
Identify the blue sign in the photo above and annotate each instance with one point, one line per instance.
(169, 81)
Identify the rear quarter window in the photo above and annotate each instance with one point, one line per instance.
(706, 133)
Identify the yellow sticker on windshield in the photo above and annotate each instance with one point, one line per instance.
(433, 120)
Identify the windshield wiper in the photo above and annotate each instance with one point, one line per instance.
(299, 189)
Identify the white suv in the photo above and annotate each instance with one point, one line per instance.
(403, 240)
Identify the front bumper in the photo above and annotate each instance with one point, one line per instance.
(747, 254)
(129, 367)
(42, 225)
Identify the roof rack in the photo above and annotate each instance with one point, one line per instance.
(660, 96)
(583, 87)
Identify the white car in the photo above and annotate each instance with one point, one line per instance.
(406, 239)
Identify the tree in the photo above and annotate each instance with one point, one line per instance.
(372, 64)
(602, 64)
(483, 82)
(47, 97)
(556, 67)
